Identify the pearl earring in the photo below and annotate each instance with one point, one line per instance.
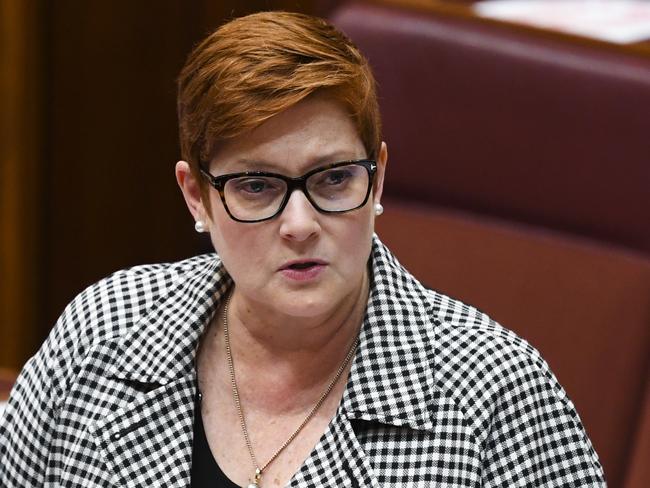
(199, 226)
(379, 209)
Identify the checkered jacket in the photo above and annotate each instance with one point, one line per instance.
(439, 395)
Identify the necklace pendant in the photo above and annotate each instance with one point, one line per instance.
(258, 477)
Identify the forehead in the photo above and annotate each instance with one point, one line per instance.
(313, 132)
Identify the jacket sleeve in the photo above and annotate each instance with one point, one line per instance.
(29, 419)
(536, 437)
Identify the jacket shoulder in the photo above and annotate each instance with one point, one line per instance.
(481, 365)
(115, 302)
(510, 399)
(110, 308)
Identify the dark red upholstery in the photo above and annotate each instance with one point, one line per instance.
(521, 127)
(584, 306)
(638, 473)
(519, 181)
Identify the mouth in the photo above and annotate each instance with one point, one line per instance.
(303, 270)
(302, 264)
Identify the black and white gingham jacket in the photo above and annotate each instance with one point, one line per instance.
(438, 395)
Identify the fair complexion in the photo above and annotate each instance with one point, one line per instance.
(288, 335)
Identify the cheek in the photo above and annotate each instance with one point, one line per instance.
(242, 247)
(223, 230)
(355, 239)
(367, 224)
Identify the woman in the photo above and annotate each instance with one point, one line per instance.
(301, 354)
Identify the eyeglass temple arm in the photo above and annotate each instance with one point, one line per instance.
(213, 180)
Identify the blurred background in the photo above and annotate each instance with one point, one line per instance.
(89, 143)
(518, 178)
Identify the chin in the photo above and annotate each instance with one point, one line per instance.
(306, 302)
(306, 305)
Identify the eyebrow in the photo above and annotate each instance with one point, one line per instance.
(245, 164)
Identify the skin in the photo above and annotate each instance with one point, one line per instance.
(288, 337)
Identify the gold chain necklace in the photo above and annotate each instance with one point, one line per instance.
(235, 393)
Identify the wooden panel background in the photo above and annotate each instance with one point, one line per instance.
(20, 181)
(89, 144)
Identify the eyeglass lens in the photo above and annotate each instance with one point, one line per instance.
(336, 189)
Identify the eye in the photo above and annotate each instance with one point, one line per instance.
(254, 185)
(335, 177)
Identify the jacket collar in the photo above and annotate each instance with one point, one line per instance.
(390, 380)
(161, 346)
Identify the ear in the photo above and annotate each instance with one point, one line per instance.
(382, 159)
(191, 191)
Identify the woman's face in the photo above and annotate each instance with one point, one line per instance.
(313, 133)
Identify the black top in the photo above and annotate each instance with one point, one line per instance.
(205, 470)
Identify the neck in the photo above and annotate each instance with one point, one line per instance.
(291, 358)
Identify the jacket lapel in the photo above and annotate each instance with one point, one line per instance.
(338, 460)
(148, 442)
(392, 378)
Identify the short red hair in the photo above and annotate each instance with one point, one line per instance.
(257, 66)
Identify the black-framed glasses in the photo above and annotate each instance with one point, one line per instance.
(255, 196)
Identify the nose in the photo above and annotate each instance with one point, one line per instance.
(299, 219)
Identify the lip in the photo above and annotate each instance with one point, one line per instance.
(303, 274)
(316, 261)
